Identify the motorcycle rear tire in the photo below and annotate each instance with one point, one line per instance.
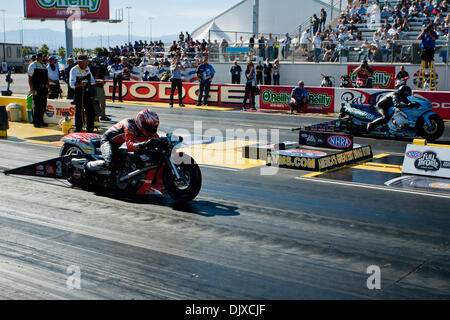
(187, 168)
(424, 132)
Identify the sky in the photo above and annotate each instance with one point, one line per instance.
(168, 17)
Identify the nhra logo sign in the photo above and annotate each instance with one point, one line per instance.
(340, 142)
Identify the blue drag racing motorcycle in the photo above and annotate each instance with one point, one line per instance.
(418, 119)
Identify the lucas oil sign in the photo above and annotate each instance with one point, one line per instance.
(63, 9)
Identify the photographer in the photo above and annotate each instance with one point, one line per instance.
(176, 69)
(364, 75)
(428, 37)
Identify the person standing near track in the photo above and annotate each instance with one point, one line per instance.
(176, 68)
(205, 74)
(38, 83)
(250, 86)
(80, 80)
(117, 71)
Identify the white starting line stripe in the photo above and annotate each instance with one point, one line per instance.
(360, 185)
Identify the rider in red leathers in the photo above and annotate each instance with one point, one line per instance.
(137, 133)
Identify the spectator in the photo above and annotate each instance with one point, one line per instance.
(262, 47)
(250, 86)
(176, 68)
(70, 65)
(205, 74)
(117, 71)
(53, 78)
(299, 97)
(268, 72)
(315, 21)
(276, 48)
(127, 69)
(287, 46)
(323, 19)
(259, 73)
(38, 82)
(276, 72)
(304, 41)
(270, 45)
(251, 46)
(317, 43)
(235, 73)
(99, 70)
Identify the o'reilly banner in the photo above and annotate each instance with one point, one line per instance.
(320, 100)
(63, 9)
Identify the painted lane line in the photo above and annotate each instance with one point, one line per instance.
(354, 184)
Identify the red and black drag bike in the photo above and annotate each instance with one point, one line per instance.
(158, 170)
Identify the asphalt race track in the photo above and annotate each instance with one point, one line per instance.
(247, 235)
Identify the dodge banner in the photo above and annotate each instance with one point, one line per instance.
(219, 95)
(63, 9)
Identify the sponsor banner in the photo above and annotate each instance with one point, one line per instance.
(427, 161)
(383, 76)
(357, 96)
(440, 101)
(219, 95)
(55, 110)
(151, 73)
(326, 140)
(320, 100)
(63, 9)
(313, 160)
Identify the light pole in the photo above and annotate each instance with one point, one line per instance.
(151, 30)
(129, 25)
(4, 35)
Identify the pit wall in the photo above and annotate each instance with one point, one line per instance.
(310, 73)
(272, 98)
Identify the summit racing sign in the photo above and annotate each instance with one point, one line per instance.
(383, 76)
(63, 9)
(320, 100)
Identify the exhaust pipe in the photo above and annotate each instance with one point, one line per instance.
(136, 173)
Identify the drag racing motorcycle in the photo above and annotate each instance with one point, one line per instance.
(418, 119)
(158, 170)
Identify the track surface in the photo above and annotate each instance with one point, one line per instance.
(246, 236)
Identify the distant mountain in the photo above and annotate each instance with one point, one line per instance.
(55, 39)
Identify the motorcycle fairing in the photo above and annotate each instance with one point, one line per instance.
(87, 142)
(153, 183)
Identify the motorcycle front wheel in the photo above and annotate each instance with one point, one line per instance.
(188, 187)
(433, 132)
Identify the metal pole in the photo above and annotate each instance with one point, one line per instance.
(4, 35)
(256, 17)
(332, 9)
(129, 30)
(69, 37)
(151, 29)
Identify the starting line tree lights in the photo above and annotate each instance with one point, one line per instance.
(70, 11)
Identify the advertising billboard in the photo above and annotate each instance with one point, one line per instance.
(64, 9)
(383, 76)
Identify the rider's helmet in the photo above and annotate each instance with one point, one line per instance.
(404, 92)
(147, 122)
